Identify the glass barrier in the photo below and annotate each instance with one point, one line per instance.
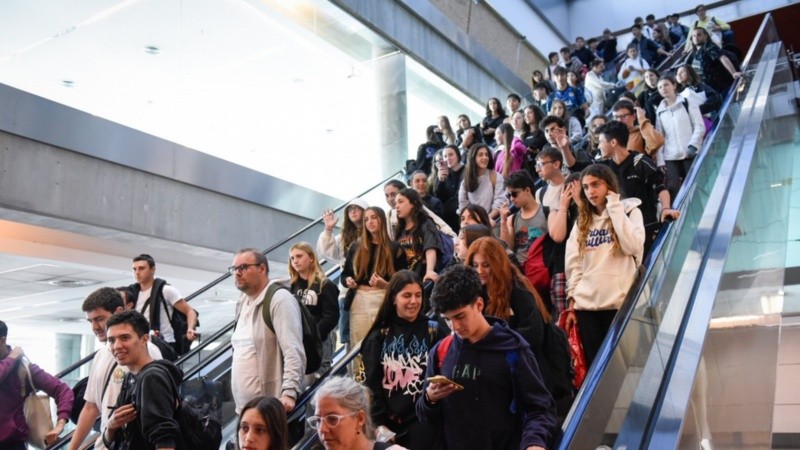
(633, 353)
(743, 390)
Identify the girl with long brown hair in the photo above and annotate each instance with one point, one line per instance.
(370, 264)
(604, 250)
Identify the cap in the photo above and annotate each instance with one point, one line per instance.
(361, 203)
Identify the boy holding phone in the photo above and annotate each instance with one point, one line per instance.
(494, 397)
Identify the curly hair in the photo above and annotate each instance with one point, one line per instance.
(586, 210)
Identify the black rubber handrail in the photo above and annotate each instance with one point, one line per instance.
(74, 366)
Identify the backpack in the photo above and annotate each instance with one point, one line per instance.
(79, 391)
(448, 250)
(557, 361)
(312, 344)
(178, 320)
(196, 432)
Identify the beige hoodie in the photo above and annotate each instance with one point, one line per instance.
(600, 278)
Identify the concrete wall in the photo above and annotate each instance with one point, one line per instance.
(50, 182)
(491, 31)
(463, 43)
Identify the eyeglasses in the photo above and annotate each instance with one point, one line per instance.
(540, 164)
(512, 194)
(620, 116)
(240, 268)
(331, 420)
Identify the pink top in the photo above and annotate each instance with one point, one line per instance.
(517, 157)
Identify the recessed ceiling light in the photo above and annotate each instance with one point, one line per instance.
(71, 282)
(68, 83)
(152, 49)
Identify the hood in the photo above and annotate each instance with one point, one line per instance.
(500, 339)
(174, 372)
(662, 107)
(360, 202)
(630, 203)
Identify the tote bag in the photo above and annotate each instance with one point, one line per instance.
(37, 413)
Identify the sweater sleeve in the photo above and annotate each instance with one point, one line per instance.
(156, 408)
(628, 227)
(330, 247)
(463, 200)
(373, 375)
(538, 406)
(653, 138)
(573, 264)
(289, 333)
(55, 388)
(329, 299)
(499, 192)
(426, 412)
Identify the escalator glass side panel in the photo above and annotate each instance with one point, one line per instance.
(744, 391)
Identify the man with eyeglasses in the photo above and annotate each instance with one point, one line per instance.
(518, 230)
(638, 178)
(643, 138)
(265, 362)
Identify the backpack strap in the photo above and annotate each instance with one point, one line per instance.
(511, 358)
(265, 312)
(441, 351)
(154, 302)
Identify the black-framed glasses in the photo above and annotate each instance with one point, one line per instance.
(540, 164)
(620, 116)
(240, 268)
(331, 420)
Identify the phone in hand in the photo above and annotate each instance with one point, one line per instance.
(443, 379)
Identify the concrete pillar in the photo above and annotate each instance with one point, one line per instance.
(390, 72)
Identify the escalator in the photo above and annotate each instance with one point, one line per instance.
(693, 359)
(210, 359)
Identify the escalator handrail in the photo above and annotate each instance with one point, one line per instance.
(294, 235)
(614, 336)
(723, 232)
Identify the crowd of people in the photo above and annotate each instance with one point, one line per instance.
(537, 211)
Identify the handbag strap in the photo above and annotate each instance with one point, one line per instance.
(29, 377)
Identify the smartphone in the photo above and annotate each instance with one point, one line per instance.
(445, 380)
(441, 164)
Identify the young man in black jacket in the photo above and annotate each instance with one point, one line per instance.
(144, 418)
(499, 401)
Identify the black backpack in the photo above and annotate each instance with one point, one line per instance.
(178, 320)
(196, 432)
(312, 344)
(555, 348)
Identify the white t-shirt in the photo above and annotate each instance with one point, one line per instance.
(552, 196)
(102, 364)
(171, 295)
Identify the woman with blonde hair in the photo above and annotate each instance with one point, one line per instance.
(366, 272)
(603, 252)
(320, 295)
